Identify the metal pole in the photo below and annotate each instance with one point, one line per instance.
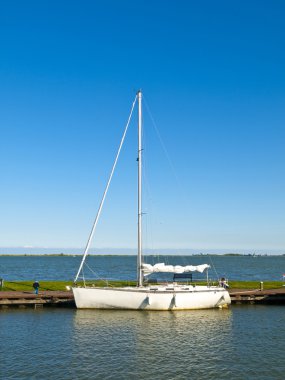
(139, 260)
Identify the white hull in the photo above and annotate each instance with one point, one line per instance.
(152, 298)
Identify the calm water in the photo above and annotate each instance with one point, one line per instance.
(18, 268)
(244, 342)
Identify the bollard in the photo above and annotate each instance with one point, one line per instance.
(261, 285)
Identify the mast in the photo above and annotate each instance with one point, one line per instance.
(139, 259)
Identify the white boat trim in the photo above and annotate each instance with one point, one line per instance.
(151, 298)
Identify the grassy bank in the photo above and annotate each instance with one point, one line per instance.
(255, 284)
(61, 285)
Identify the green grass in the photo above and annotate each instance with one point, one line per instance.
(61, 285)
(28, 285)
(58, 285)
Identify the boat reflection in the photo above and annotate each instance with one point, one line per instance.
(134, 343)
(197, 320)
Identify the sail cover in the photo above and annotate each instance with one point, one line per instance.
(161, 267)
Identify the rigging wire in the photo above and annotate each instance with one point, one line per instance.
(147, 201)
(162, 144)
(164, 149)
(213, 266)
(105, 193)
(83, 277)
(148, 197)
(95, 273)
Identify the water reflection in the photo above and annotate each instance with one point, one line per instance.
(244, 342)
(151, 343)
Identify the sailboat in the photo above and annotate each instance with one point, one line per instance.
(146, 296)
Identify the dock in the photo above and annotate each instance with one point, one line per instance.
(257, 296)
(65, 298)
(29, 299)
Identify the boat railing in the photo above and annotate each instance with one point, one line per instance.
(185, 277)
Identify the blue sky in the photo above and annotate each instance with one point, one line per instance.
(212, 74)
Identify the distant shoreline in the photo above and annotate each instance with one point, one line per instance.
(129, 255)
(125, 251)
